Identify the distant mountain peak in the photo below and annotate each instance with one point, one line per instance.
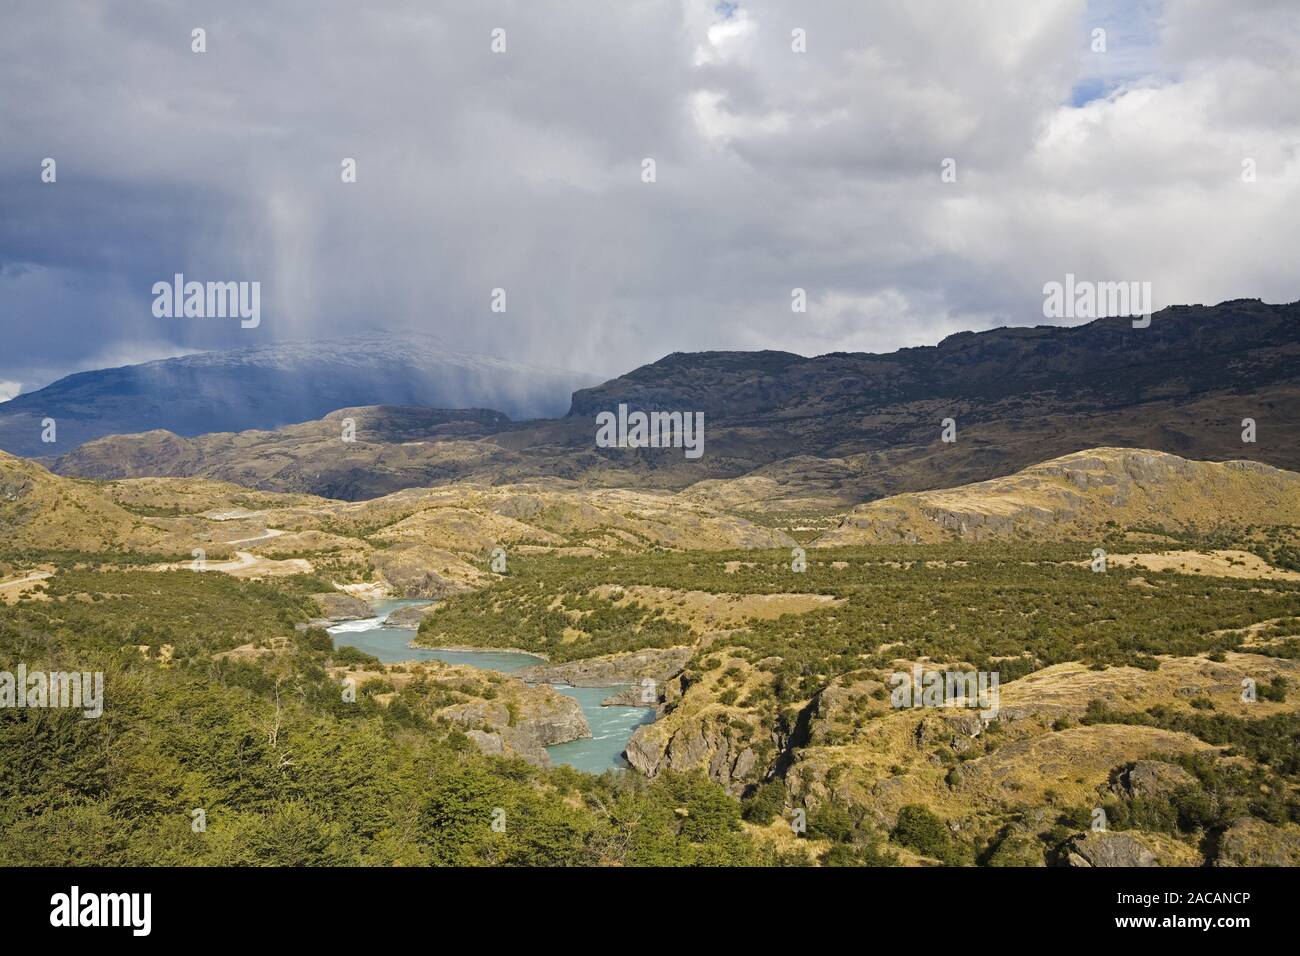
(270, 385)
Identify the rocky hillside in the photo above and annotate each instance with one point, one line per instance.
(43, 512)
(418, 542)
(825, 433)
(1079, 493)
(1186, 351)
(391, 448)
(841, 428)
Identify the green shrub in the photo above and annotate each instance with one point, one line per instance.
(920, 830)
(765, 804)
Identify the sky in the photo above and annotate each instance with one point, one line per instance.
(522, 170)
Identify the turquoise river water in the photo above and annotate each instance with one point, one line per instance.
(611, 727)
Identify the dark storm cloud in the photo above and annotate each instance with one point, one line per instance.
(522, 170)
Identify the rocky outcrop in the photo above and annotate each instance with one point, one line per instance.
(629, 667)
(1252, 842)
(1150, 779)
(713, 746)
(14, 486)
(1019, 844)
(1126, 848)
(1109, 849)
(420, 571)
(708, 723)
(633, 695)
(842, 708)
(499, 715)
(409, 616)
(337, 606)
(539, 718)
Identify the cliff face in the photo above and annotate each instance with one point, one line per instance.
(704, 746)
(696, 731)
(1076, 494)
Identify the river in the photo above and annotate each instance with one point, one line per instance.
(611, 727)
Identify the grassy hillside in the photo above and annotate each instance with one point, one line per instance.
(1079, 495)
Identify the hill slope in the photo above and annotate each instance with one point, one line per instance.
(44, 512)
(843, 428)
(418, 542)
(1079, 493)
(392, 448)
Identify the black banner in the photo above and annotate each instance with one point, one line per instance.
(369, 905)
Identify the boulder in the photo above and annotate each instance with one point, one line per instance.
(337, 606)
(1127, 848)
(1150, 779)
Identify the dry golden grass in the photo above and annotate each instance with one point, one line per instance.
(1077, 494)
(703, 611)
(890, 761)
(1219, 564)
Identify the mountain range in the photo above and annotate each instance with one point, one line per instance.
(268, 386)
(786, 432)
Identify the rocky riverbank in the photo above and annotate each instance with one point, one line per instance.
(630, 667)
(337, 606)
(499, 714)
(409, 616)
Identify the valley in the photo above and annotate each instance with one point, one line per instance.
(747, 694)
(404, 634)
